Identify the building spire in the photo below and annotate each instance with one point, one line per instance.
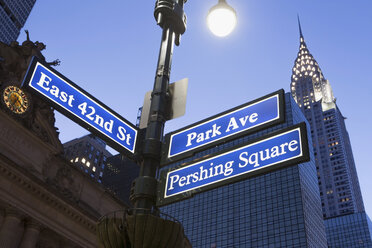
(299, 26)
(306, 69)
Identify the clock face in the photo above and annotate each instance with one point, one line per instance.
(15, 99)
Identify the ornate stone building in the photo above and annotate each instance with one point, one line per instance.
(45, 201)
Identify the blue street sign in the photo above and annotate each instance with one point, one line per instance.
(249, 117)
(80, 106)
(280, 149)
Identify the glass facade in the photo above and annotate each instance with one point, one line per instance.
(89, 154)
(13, 15)
(278, 209)
(349, 231)
(118, 176)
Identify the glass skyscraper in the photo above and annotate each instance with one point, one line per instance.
(338, 181)
(337, 177)
(118, 176)
(13, 15)
(89, 154)
(352, 231)
(279, 209)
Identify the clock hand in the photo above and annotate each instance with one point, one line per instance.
(19, 102)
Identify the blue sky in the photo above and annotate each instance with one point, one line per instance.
(110, 48)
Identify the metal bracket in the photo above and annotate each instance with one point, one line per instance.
(163, 71)
(144, 187)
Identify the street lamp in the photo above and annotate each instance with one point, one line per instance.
(221, 19)
(170, 16)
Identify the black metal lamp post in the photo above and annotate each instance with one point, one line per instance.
(141, 227)
(171, 18)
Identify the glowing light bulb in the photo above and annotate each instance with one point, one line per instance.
(221, 19)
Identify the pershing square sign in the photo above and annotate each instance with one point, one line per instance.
(81, 107)
(246, 118)
(280, 149)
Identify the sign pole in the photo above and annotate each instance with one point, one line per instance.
(171, 18)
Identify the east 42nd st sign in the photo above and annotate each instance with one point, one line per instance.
(81, 107)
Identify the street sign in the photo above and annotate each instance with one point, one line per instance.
(247, 118)
(280, 149)
(81, 107)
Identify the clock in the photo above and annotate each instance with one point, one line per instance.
(15, 99)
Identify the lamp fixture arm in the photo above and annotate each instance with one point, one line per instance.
(170, 13)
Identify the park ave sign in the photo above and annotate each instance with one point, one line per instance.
(238, 121)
